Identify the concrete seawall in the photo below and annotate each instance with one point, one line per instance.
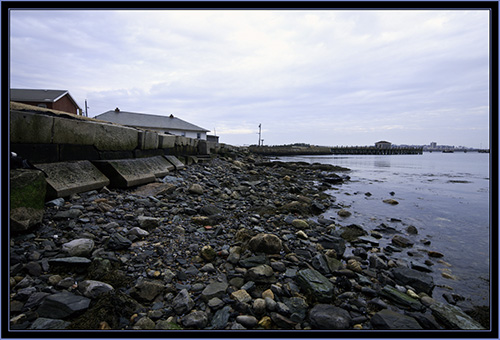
(47, 136)
(80, 154)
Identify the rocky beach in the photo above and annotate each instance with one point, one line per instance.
(235, 243)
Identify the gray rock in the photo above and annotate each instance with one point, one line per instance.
(261, 274)
(195, 320)
(68, 214)
(321, 264)
(138, 232)
(46, 323)
(215, 289)
(93, 289)
(324, 316)
(147, 290)
(196, 189)
(259, 306)
(183, 303)
(220, 318)
(387, 319)
(62, 305)
(25, 218)
(253, 261)
(248, 321)
(298, 308)
(79, 247)
(315, 284)
(148, 223)
(144, 323)
(453, 317)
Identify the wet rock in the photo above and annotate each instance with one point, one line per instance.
(241, 296)
(343, 213)
(388, 319)
(401, 241)
(391, 201)
(422, 282)
(325, 316)
(401, 298)
(144, 323)
(315, 284)
(453, 317)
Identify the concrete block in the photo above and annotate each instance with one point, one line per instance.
(27, 127)
(181, 141)
(116, 154)
(177, 163)
(110, 137)
(148, 140)
(72, 131)
(124, 173)
(66, 178)
(166, 141)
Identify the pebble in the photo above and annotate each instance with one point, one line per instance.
(230, 244)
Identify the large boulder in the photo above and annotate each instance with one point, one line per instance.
(27, 198)
(323, 316)
(453, 317)
(265, 243)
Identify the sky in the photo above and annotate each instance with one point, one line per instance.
(323, 77)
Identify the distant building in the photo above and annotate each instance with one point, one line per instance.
(383, 145)
(212, 138)
(433, 145)
(59, 100)
(163, 124)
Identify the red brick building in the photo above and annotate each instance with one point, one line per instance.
(52, 99)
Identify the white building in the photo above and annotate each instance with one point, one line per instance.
(163, 124)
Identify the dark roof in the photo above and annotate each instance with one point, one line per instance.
(39, 96)
(148, 121)
(383, 141)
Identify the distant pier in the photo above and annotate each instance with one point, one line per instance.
(291, 150)
(373, 150)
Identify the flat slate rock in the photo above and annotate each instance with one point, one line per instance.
(175, 162)
(67, 178)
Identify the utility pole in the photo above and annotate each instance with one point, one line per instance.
(259, 133)
(86, 108)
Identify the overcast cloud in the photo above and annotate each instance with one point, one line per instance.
(321, 77)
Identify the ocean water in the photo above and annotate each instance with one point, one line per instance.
(446, 196)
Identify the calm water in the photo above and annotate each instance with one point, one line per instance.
(446, 196)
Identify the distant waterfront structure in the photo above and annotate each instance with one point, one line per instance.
(383, 144)
(433, 145)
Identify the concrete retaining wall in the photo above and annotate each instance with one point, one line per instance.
(46, 137)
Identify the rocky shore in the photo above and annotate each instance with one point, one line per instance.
(237, 243)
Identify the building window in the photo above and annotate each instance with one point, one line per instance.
(198, 135)
(42, 105)
(183, 134)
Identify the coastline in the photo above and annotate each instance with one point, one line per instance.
(237, 243)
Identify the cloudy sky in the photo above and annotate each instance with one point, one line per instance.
(325, 77)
